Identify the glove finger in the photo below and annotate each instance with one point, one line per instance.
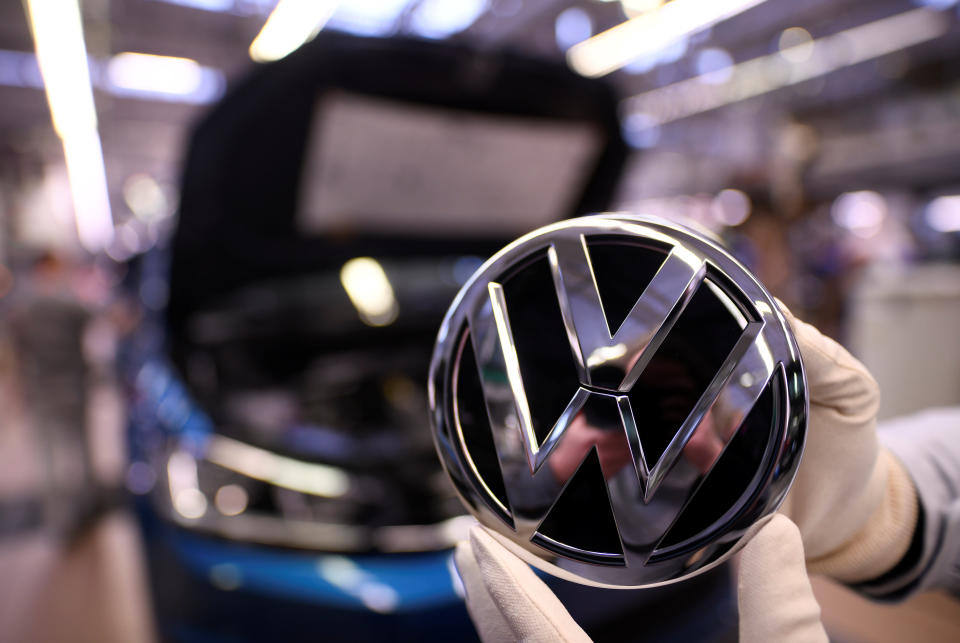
(491, 624)
(835, 378)
(774, 595)
(505, 598)
(840, 467)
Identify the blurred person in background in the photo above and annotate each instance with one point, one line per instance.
(51, 312)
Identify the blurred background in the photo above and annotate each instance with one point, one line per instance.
(229, 230)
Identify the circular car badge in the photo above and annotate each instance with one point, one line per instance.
(618, 400)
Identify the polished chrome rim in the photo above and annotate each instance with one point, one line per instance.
(678, 507)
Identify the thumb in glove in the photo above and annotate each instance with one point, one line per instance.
(774, 596)
(506, 600)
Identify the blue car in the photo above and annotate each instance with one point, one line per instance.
(332, 205)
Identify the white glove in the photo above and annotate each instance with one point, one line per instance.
(774, 596)
(508, 602)
(853, 502)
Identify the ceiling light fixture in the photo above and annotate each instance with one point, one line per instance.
(650, 32)
(292, 23)
(774, 71)
(62, 56)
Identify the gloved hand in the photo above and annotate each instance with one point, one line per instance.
(853, 502)
(854, 505)
(507, 601)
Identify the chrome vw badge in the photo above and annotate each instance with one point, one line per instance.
(618, 399)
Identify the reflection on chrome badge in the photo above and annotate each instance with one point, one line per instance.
(618, 399)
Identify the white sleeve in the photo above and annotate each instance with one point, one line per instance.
(928, 445)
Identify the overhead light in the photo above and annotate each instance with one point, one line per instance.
(128, 75)
(633, 8)
(640, 131)
(163, 77)
(943, 214)
(379, 18)
(714, 65)
(205, 5)
(768, 73)
(442, 18)
(665, 56)
(936, 4)
(88, 186)
(62, 56)
(572, 25)
(796, 44)
(145, 198)
(650, 32)
(862, 213)
(19, 69)
(730, 207)
(369, 290)
(292, 23)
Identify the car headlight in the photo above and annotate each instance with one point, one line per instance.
(207, 481)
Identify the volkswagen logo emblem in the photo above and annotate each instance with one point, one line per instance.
(618, 400)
